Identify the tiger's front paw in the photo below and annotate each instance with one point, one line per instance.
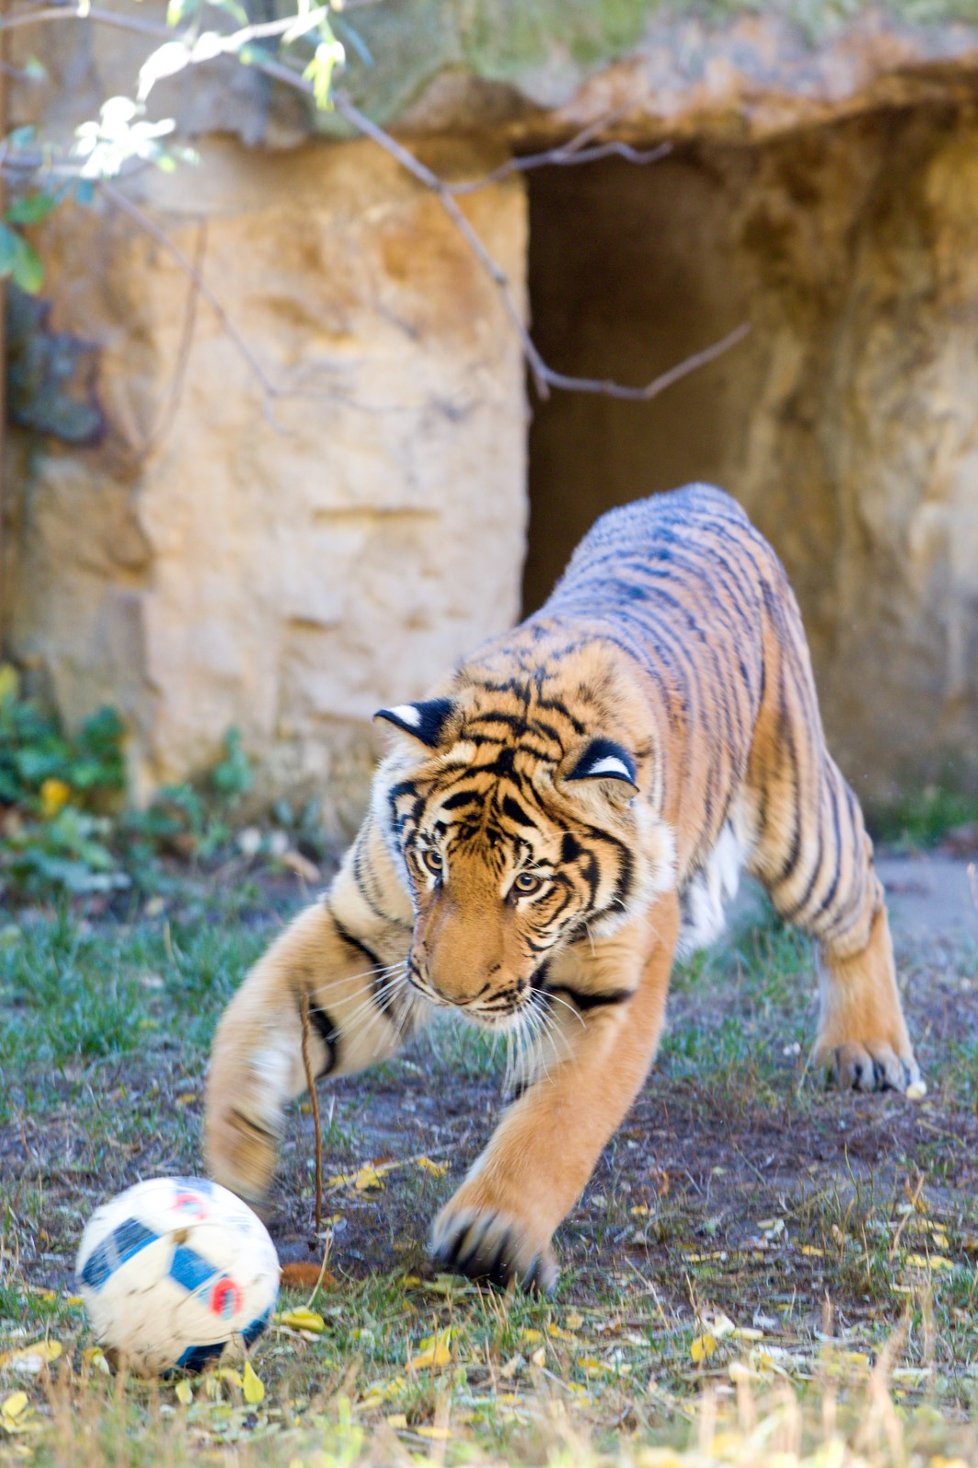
(491, 1244)
(872, 1066)
(240, 1152)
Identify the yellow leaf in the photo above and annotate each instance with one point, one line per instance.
(186, 1097)
(532, 1336)
(589, 1364)
(396, 1419)
(363, 1179)
(9, 682)
(184, 1393)
(437, 1169)
(32, 1358)
(435, 1351)
(640, 1210)
(539, 1356)
(368, 1177)
(254, 1387)
(437, 1434)
(74, 1300)
(929, 1261)
(574, 1321)
(812, 1251)
(13, 1406)
(557, 1333)
(302, 1318)
(702, 1348)
(228, 1374)
(410, 1280)
(55, 795)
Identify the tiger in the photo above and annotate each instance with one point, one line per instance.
(563, 814)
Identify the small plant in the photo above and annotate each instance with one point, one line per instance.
(56, 790)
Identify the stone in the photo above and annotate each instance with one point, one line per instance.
(285, 563)
(280, 563)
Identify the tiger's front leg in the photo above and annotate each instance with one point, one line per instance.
(352, 984)
(499, 1224)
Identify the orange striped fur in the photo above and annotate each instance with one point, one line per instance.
(565, 810)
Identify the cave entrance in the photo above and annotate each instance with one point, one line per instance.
(632, 269)
(847, 249)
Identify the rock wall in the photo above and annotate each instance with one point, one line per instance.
(846, 423)
(284, 563)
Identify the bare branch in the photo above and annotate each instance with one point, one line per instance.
(577, 150)
(544, 376)
(564, 156)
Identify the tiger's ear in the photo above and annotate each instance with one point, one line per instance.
(604, 760)
(424, 721)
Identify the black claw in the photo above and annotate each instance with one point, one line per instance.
(463, 1261)
(498, 1272)
(879, 1076)
(907, 1075)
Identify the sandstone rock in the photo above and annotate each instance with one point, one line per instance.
(284, 564)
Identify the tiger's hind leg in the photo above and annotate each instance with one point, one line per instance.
(359, 1007)
(812, 853)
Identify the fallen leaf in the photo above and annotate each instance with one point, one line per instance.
(32, 1358)
(557, 1333)
(929, 1261)
(435, 1351)
(186, 1097)
(396, 1419)
(302, 1318)
(702, 1348)
(252, 1385)
(13, 1406)
(436, 1434)
(437, 1169)
(184, 1393)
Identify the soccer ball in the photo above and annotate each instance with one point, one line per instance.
(174, 1272)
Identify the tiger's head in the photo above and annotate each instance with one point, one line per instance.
(516, 831)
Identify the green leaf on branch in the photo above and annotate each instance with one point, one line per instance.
(32, 208)
(20, 261)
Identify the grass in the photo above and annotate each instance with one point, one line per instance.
(758, 1267)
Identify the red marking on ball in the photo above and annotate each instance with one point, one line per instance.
(191, 1203)
(226, 1298)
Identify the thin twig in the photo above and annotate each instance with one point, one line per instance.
(314, 1102)
(174, 393)
(563, 156)
(149, 225)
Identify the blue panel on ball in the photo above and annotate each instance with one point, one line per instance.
(255, 1327)
(191, 1269)
(121, 1244)
(195, 1358)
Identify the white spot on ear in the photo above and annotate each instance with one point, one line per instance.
(407, 714)
(609, 764)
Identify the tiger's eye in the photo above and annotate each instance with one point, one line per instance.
(434, 861)
(527, 882)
